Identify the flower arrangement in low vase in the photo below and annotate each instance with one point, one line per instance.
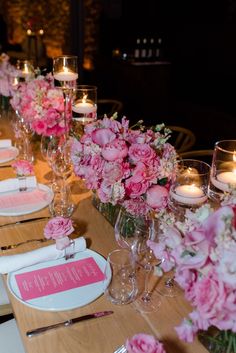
(41, 105)
(202, 251)
(129, 167)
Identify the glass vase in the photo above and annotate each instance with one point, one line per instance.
(217, 341)
(109, 211)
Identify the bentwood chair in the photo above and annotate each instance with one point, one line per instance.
(182, 139)
(203, 155)
(109, 107)
(10, 339)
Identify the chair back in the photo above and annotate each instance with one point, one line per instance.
(109, 107)
(182, 138)
(203, 155)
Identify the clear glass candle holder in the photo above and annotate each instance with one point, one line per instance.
(65, 70)
(190, 189)
(223, 169)
(25, 70)
(84, 108)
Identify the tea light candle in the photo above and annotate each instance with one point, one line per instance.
(84, 108)
(223, 180)
(189, 194)
(65, 75)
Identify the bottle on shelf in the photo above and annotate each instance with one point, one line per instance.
(143, 55)
(151, 50)
(159, 49)
(137, 50)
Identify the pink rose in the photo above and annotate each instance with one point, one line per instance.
(157, 196)
(23, 167)
(141, 153)
(143, 343)
(58, 228)
(103, 136)
(115, 150)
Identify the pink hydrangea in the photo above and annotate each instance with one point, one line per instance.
(144, 343)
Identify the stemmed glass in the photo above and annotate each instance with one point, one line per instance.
(132, 233)
(45, 142)
(65, 71)
(59, 156)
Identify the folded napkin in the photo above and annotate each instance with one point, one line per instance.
(13, 184)
(5, 143)
(11, 263)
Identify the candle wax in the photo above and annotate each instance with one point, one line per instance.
(84, 108)
(66, 76)
(188, 194)
(223, 180)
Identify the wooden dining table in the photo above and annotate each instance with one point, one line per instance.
(103, 335)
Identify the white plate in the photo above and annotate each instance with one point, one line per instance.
(25, 208)
(12, 153)
(66, 300)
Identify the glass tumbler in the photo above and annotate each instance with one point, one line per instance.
(120, 283)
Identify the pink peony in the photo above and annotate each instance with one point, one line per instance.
(141, 153)
(58, 228)
(103, 136)
(23, 167)
(143, 343)
(115, 150)
(157, 196)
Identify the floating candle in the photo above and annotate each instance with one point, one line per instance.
(223, 180)
(84, 108)
(188, 194)
(65, 75)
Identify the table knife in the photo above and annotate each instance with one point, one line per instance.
(68, 322)
(25, 221)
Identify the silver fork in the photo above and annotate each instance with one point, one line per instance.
(13, 246)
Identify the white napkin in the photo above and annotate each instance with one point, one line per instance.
(5, 143)
(13, 184)
(11, 263)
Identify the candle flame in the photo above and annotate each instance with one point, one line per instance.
(26, 69)
(84, 99)
(65, 70)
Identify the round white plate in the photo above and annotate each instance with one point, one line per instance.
(8, 154)
(26, 208)
(66, 300)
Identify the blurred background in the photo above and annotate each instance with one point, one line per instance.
(166, 61)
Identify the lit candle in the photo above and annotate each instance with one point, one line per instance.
(65, 75)
(25, 72)
(224, 179)
(84, 107)
(189, 194)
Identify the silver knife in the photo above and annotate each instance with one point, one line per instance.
(68, 322)
(25, 221)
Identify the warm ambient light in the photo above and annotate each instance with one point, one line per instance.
(189, 194)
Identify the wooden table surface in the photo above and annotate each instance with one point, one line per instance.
(103, 335)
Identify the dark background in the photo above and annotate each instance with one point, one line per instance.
(197, 88)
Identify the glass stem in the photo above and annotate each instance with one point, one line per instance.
(146, 295)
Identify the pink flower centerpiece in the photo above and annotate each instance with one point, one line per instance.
(58, 228)
(41, 105)
(127, 167)
(23, 167)
(144, 343)
(202, 251)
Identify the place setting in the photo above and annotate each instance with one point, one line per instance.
(7, 151)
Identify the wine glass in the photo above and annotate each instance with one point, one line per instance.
(45, 142)
(59, 156)
(167, 286)
(133, 232)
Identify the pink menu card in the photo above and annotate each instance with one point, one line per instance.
(59, 278)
